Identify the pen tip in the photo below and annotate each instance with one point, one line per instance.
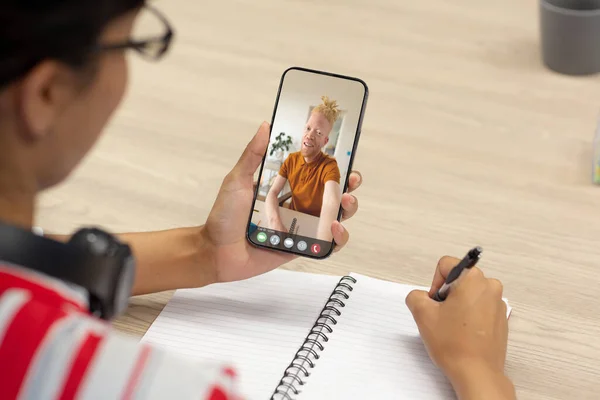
(476, 252)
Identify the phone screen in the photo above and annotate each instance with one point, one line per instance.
(314, 135)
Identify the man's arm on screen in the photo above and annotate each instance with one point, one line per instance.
(332, 198)
(272, 204)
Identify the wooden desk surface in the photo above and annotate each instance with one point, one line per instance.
(467, 140)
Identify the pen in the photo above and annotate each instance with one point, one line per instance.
(463, 266)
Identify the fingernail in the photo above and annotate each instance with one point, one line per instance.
(340, 228)
(352, 199)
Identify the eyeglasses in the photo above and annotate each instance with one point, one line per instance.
(145, 39)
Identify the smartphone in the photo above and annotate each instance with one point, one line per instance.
(315, 130)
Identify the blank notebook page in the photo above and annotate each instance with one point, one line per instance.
(257, 325)
(375, 351)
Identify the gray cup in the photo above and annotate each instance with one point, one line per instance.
(570, 31)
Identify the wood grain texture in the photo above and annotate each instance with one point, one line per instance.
(467, 140)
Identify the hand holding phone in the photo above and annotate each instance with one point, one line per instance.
(226, 254)
(314, 135)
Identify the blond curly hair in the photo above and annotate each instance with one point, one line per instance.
(329, 109)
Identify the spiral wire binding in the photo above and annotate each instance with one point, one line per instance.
(304, 360)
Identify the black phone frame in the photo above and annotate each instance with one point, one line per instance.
(354, 148)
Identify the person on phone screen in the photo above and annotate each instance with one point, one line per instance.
(313, 176)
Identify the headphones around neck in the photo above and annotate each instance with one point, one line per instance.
(92, 259)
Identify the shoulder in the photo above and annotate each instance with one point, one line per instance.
(79, 356)
(293, 157)
(52, 350)
(329, 163)
(330, 170)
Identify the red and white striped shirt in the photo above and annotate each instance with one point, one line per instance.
(52, 348)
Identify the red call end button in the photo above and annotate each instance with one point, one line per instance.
(315, 248)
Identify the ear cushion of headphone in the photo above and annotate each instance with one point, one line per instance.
(93, 241)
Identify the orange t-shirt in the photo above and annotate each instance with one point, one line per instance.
(307, 181)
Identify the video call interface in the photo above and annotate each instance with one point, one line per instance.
(307, 161)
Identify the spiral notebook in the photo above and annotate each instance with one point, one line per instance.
(294, 335)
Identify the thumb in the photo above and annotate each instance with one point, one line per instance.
(420, 304)
(254, 152)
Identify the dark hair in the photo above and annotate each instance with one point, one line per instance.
(64, 30)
